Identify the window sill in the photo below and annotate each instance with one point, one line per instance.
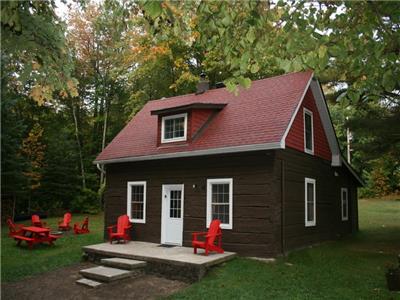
(137, 221)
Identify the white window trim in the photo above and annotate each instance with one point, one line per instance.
(313, 222)
(209, 198)
(179, 139)
(308, 112)
(129, 199)
(345, 218)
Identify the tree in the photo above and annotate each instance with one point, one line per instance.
(38, 58)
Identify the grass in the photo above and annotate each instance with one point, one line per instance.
(352, 268)
(19, 262)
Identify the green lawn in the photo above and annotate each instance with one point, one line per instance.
(19, 262)
(352, 268)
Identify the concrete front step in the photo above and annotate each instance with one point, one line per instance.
(89, 283)
(105, 274)
(123, 263)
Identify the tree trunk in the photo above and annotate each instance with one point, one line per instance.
(79, 147)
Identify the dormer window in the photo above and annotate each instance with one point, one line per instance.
(308, 132)
(174, 128)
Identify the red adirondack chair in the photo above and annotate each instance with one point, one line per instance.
(37, 222)
(82, 228)
(64, 223)
(212, 240)
(13, 229)
(123, 225)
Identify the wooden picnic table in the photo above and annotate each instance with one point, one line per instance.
(35, 235)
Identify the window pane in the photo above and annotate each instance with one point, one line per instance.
(310, 202)
(221, 212)
(175, 202)
(220, 193)
(174, 128)
(137, 201)
(308, 131)
(220, 202)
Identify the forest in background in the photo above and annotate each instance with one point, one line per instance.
(69, 85)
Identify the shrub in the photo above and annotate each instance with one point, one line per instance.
(86, 202)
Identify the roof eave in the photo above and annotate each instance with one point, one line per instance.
(224, 150)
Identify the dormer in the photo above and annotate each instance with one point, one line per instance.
(182, 124)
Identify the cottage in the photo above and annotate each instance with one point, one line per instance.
(266, 162)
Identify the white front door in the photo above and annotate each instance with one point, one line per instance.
(172, 214)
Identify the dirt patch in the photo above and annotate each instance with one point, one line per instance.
(60, 284)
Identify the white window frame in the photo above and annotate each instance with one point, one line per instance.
(313, 181)
(129, 200)
(178, 139)
(308, 112)
(210, 182)
(345, 217)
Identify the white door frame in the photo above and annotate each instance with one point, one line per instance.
(165, 211)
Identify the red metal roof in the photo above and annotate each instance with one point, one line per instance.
(258, 115)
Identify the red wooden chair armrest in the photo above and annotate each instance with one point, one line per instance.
(196, 234)
(217, 235)
(199, 233)
(110, 228)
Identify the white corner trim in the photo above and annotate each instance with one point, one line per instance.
(310, 113)
(326, 123)
(129, 197)
(313, 222)
(210, 182)
(223, 150)
(283, 140)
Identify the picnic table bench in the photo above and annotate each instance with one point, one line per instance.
(35, 235)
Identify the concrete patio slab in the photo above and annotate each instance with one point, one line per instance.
(105, 274)
(173, 262)
(123, 263)
(153, 252)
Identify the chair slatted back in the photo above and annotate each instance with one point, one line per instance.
(85, 224)
(123, 223)
(67, 218)
(35, 219)
(11, 226)
(213, 231)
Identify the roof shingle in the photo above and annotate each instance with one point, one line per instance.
(257, 115)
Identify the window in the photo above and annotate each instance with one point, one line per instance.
(345, 204)
(173, 128)
(310, 208)
(220, 201)
(308, 132)
(175, 204)
(137, 201)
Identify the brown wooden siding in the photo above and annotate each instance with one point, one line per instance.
(297, 166)
(263, 184)
(254, 197)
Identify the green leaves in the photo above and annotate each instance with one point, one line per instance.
(251, 36)
(152, 8)
(388, 81)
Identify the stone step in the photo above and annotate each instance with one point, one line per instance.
(89, 283)
(105, 274)
(123, 263)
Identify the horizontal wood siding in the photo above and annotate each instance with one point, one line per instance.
(295, 137)
(254, 197)
(329, 225)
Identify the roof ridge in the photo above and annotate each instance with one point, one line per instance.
(214, 90)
